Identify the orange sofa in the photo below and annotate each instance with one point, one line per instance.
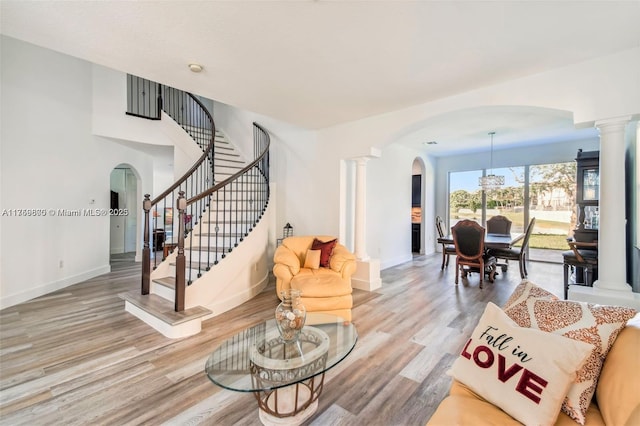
(616, 401)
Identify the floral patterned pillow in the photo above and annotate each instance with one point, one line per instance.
(534, 307)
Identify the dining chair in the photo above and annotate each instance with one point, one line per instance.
(517, 253)
(447, 249)
(468, 239)
(583, 257)
(499, 225)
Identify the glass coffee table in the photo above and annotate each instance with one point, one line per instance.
(286, 378)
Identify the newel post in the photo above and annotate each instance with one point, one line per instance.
(180, 259)
(146, 252)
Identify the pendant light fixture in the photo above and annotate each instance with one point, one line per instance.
(491, 181)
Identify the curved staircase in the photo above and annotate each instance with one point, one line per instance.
(212, 217)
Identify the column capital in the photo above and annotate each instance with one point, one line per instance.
(608, 123)
(373, 153)
(361, 160)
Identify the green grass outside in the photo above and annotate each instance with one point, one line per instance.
(548, 241)
(538, 239)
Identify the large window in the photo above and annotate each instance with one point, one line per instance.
(509, 200)
(552, 202)
(465, 199)
(546, 192)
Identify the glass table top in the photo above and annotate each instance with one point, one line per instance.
(257, 359)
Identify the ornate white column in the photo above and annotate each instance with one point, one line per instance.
(367, 275)
(612, 265)
(611, 286)
(360, 225)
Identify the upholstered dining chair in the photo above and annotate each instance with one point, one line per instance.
(517, 253)
(468, 238)
(582, 256)
(447, 249)
(499, 225)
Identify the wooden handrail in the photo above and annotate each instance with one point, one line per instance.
(198, 162)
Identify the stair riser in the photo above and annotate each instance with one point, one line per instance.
(211, 240)
(228, 162)
(226, 217)
(226, 224)
(250, 183)
(163, 291)
(202, 256)
(221, 152)
(191, 273)
(230, 198)
(229, 205)
(240, 187)
(230, 169)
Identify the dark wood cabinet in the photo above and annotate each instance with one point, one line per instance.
(587, 196)
(583, 256)
(416, 212)
(416, 190)
(415, 237)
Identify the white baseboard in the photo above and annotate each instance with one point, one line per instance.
(398, 260)
(32, 293)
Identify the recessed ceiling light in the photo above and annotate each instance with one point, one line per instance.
(195, 67)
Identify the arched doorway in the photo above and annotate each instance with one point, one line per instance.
(125, 199)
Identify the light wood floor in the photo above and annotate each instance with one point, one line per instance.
(75, 357)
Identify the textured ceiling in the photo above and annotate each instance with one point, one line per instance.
(320, 63)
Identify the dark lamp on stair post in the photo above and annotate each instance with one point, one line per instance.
(287, 231)
(182, 203)
(146, 203)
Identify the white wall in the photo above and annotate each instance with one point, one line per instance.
(109, 104)
(389, 205)
(51, 160)
(303, 174)
(603, 88)
(157, 137)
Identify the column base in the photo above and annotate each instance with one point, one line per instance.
(612, 286)
(367, 275)
(603, 296)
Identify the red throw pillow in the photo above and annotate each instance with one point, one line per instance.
(326, 249)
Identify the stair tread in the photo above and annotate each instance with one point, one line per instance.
(163, 309)
(219, 234)
(228, 160)
(166, 281)
(198, 266)
(235, 222)
(203, 248)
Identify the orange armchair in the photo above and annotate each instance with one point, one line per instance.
(324, 289)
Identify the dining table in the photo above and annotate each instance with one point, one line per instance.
(495, 241)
